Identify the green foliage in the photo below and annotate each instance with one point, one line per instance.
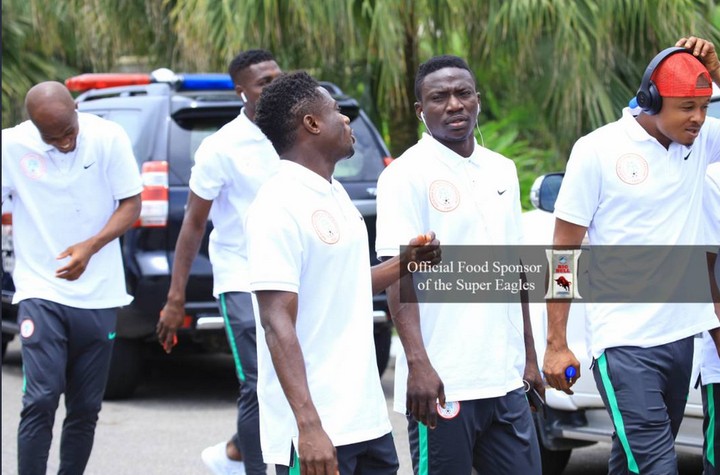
(555, 69)
(47, 40)
(23, 63)
(510, 135)
(577, 62)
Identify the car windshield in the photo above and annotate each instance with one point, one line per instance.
(365, 165)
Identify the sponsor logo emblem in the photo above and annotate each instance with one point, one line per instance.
(501, 192)
(564, 267)
(27, 328)
(444, 196)
(450, 411)
(632, 169)
(326, 227)
(33, 166)
(112, 335)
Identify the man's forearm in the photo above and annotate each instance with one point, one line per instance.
(529, 339)
(557, 315)
(278, 313)
(384, 274)
(186, 249)
(122, 219)
(406, 316)
(289, 363)
(188, 244)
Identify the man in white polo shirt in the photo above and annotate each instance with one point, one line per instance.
(639, 181)
(460, 378)
(230, 166)
(710, 366)
(318, 385)
(75, 188)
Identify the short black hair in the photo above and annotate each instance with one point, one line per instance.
(436, 63)
(248, 58)
(282, 105)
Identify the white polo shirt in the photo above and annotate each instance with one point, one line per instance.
(305, 236)
(62, 199)
(230, 166)
(710, 366)
(628, 189)
(477, 349)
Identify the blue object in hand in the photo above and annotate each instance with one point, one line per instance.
(570, 373)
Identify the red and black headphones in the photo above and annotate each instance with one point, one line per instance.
(648, 97)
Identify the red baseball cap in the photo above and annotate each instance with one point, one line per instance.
(682, 75)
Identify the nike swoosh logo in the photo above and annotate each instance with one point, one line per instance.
(88, 166)
(688, 155)
(501, 192)
(112, 335)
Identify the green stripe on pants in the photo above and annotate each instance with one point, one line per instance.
(295, 469)
(615, 412)
(231, 339)
(710, 434)
(423, 461)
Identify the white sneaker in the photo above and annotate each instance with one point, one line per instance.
(216, 459)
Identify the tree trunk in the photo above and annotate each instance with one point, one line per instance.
(403, 121)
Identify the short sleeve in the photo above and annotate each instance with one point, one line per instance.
(399, 216)
(207, 176)
(579, 194)
(711, 128)
(123, 170)
(711, 205)
(274, 245)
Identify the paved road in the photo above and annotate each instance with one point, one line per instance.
(187, 404)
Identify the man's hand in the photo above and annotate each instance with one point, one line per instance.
(557, 359)
(424, 390)
(316, 452)
(80, 255)
(423, 248)
(534, 378)
(703, 50)
(171, 318)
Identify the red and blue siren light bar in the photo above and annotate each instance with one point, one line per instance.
(181, 82)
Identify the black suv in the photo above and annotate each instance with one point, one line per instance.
(166, 122)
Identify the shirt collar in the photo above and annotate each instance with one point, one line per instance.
(632, 126)
(254, 131)
(637, 133)
(307, 177)
(447, 156)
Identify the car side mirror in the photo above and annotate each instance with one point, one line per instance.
(544, 191)
(350, 108)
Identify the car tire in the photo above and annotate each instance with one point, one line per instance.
(125, 369)
(554, 461)
(383, 340)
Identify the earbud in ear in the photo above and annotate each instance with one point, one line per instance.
(243, 97)
(479, 109)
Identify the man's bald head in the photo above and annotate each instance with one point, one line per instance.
(52, 109)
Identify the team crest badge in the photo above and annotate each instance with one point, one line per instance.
(444, 196)
(450, 411)
(27, 328)
(33, 166)
(632, 169)
(326, 227)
